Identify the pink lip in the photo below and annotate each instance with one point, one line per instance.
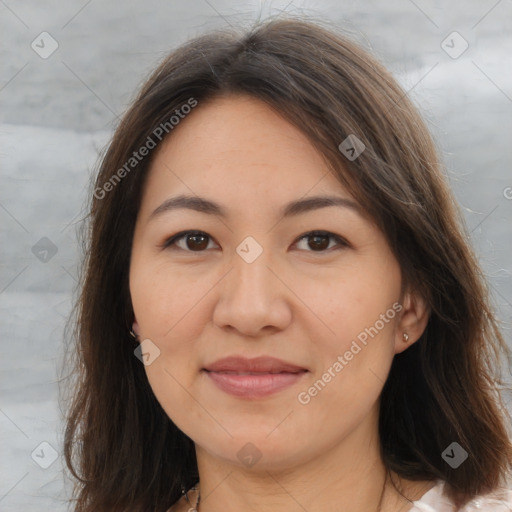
(253, 378)
(262, 364)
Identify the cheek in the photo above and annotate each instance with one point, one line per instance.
(358, 318)
(168, 309)
(354, 361)
(167, 303)
(349, 304)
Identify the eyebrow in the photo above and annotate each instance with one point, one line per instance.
(297, 207)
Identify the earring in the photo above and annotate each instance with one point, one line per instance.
(405, 336)
(132, 334)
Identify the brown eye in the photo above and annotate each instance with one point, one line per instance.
(319, 241)
(191, 241)
(196, 242)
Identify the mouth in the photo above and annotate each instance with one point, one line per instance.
(253, 373)
(256, 365)
(253, 378)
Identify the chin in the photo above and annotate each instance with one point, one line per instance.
(259, 452)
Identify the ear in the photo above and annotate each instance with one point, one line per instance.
(135, 326)
(412, 321)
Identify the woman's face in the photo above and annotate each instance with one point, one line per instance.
(257, 284)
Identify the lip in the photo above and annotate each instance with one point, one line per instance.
(253, 378)
(262, 364)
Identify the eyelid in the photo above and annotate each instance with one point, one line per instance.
(170, 243)
(342, 242)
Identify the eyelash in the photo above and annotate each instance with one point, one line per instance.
(170, 243)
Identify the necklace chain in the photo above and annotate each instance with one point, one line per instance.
(196, 507)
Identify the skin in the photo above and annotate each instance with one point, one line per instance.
(296, 302)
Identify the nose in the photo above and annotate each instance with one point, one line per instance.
(253, 297)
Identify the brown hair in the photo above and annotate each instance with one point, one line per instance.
(129, 454)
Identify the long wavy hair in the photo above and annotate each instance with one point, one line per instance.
(123, 450)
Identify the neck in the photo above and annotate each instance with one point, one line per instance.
(347, 477)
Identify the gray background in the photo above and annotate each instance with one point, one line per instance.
(57, 113)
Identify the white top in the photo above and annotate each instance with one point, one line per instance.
(435, 501)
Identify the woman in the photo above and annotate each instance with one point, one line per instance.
(279, 309)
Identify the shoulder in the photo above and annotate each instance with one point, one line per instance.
(436, 501)
(497, 501)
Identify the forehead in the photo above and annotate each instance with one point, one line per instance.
(238, 143)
